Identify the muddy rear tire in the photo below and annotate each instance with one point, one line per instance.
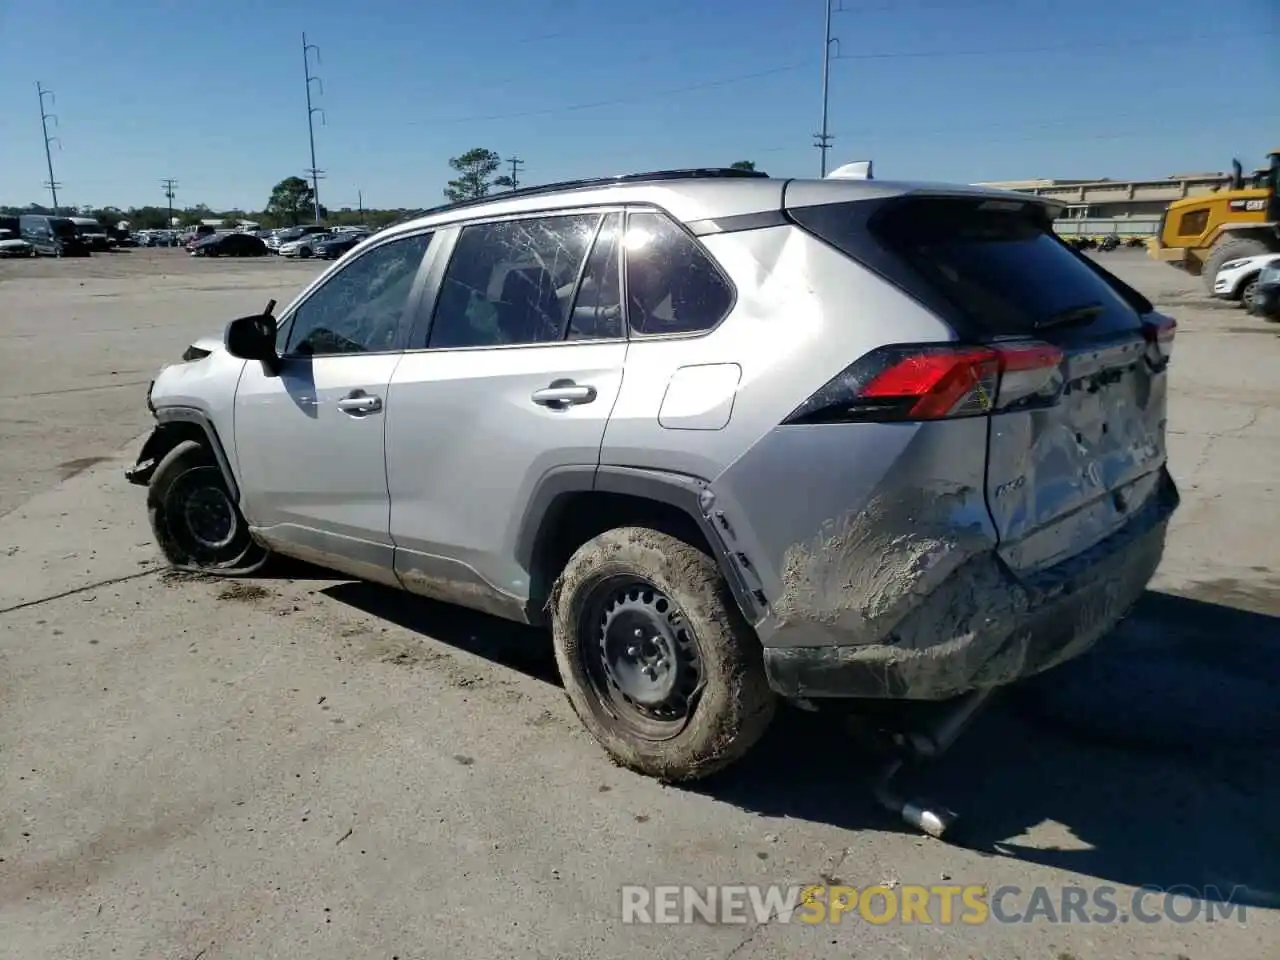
(657, 660)
(196, 522)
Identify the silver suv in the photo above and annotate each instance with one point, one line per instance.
(730, 437)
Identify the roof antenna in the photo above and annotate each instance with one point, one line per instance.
(858, 170)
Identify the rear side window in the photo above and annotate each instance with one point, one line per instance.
(672, 284)
(997, 265)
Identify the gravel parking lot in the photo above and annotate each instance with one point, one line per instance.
(299, 766)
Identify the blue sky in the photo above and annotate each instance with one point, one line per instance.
(211, 93)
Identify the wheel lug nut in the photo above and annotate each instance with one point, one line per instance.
(639, 634)
(633, 651)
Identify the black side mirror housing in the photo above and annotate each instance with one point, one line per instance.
(254, 338)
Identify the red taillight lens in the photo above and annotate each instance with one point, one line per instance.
(937, 382)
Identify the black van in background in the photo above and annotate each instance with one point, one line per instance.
(52, 236)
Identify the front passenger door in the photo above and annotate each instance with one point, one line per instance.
(309, 441)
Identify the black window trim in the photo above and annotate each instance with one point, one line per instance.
(415, 290)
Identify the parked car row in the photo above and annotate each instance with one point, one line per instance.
(55, 236)
(44, 235)
(1239, 279)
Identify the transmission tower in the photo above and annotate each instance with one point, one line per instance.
(169, 184)
(45, 117)
(316, 173)
(516, 164)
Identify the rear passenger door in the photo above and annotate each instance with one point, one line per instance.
(513, 368)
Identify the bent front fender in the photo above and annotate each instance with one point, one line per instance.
(153, 450)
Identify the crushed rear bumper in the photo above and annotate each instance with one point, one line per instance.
(985, 626)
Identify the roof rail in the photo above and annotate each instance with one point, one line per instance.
(656, 176)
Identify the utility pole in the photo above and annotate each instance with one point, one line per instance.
(822, 139)
(169, 183)
(516, 164)
(307, 49)
(360, 203)
(45, 117)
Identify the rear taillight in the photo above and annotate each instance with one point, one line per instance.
(1159, 332)
(937, 382)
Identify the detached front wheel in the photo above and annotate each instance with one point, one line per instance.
(197, 524)
(656, 659)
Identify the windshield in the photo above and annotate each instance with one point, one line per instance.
(89, 228)
(62, 227)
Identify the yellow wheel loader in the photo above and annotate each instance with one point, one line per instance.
(1199, 234)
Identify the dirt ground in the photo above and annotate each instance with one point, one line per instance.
(304, 766)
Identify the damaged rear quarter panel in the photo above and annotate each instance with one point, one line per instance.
(850, 526)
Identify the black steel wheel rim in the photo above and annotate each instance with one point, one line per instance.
(640, 657)
(202, 517)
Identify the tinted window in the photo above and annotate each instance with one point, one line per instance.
(597, 309)
(62, 227)
(672, 285)
(360, 307)
(992, 268)
(511, 282)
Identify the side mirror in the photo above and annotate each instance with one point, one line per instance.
(254, 338)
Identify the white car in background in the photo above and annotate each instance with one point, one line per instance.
(11, 246)
(1235, 279)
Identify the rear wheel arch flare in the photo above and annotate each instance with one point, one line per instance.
(569, 509)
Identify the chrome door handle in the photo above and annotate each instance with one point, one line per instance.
(563, 393)
(359, 403)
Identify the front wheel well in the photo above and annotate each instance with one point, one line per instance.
(574, 518)
(170, 434)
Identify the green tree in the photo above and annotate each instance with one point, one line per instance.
(291, 199)
(475, 179)
(743, 165)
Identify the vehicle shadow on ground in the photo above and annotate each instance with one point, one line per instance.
(1155, 759)
(509, 644)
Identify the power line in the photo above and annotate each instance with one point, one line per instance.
(794, 67)
(516, 164)
(1071, 47)
(45, 117)
(308, 48)
(169, 184)
(635, 98)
